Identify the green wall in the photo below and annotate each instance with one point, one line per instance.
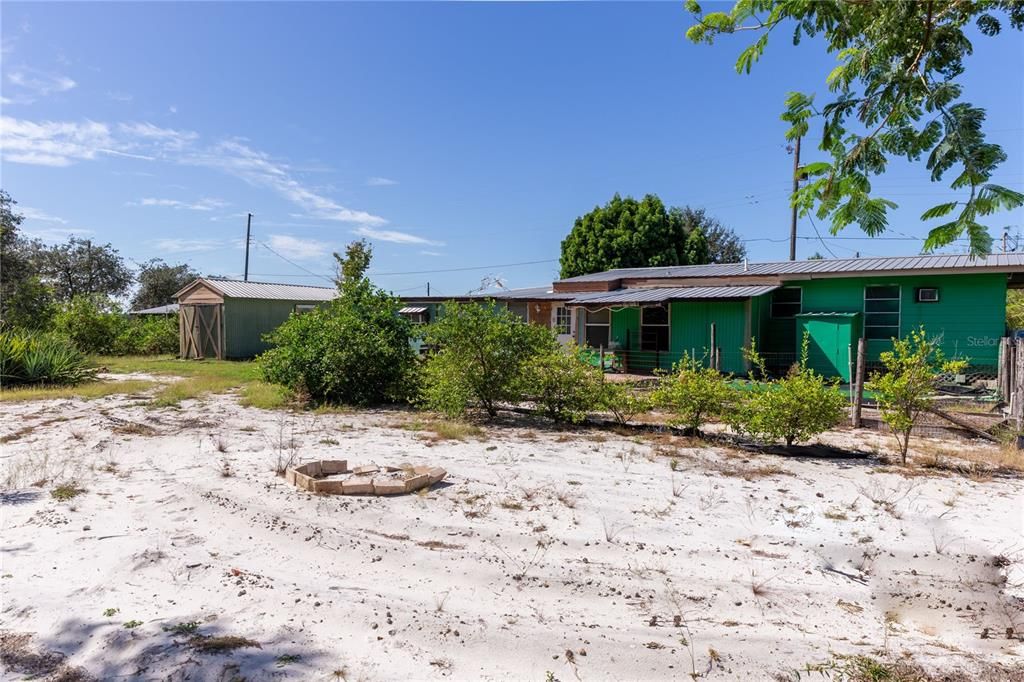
(246, 320)
(691, 330)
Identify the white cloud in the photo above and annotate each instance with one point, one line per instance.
(205, 204)
(165, 139)
(57, 234)
(52, 143)
(431, 253)
(120, 96)
(35, 83)
(172, 109)
(187, 245)
(297, 248)
(35, 214)
(380, 182)
(394, 236)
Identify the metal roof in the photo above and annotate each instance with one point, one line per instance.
(412, 310)
(998, 261)
(233, 288)
(660, 294)
(527, 293)
(158, 310)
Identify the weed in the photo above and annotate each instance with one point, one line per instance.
(566, 499)
(187, 628)
(285, 659)
(678, 487)
(110, 613)
(511, 503)
(220, 644)
(329, 441)
(440, 599)
(68, 491)
(836, 514)
(226, 469)
(613, 529)
(131, 624)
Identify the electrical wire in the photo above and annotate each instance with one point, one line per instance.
(290, 262)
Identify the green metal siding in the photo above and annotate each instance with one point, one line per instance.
(626, 328)
(246, 320)
(832, 342)
(691, 321)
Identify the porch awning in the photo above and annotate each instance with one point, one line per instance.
(641, 296)
(412, 310)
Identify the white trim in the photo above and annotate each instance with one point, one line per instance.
(899, 310)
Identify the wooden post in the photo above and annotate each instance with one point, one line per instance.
(1017, 399)
(600, 360)
(858, 383)
(714, 344)
(1003, 372)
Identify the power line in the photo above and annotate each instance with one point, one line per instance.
(290, 262)
(477, 267)
(792, 248)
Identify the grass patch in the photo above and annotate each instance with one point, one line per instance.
(265, 396)
(68, 491)
(437, 430)
(87, 391)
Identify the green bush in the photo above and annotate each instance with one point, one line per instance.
(36, 358)
(356, 351)
(148, 335)
(694, 393)
(562, 385)
(483, 352)
(623, 400)
(793, 408)
(93, 323)
(913, 369)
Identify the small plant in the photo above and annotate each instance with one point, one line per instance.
(794, 408)
(694, 393)
(562, 384)
(227, 470)
(913, 369)
(188, 628)
(285, 659)
(612, 530)
(131, 624)
(33, 358)
(623, 401)
(67, 491)
(110, 613)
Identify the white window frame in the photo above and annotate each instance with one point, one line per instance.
(667, 325)
(562, 327)
(800, 303)
(899, 311)
(927, 300)
(303, 308)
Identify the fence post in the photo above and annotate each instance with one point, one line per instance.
(858, 383)
(1017, 397)
(714, 345)
(1003, 371)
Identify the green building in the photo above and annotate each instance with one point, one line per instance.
(647, 318)
(223, 318)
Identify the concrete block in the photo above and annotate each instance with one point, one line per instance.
(436, 474)
(357, 485)
(388, 486)
(366, 469)
(416, 482)
(330, 486)
(421, 470)
(310, 469)
(303, 481)
(333, 466)
(289, 476)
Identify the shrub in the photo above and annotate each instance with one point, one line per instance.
(92, 323)
(623, 401)
(562, 384)
(913, 369)
(794, 408)
(483, 351)
(694, 393)
(35, 358)
(148, 335)
(356, 351)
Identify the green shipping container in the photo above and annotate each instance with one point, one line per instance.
(832, 342)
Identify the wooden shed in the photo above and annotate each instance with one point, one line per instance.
(223, 318)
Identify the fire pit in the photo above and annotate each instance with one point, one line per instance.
(334, 477)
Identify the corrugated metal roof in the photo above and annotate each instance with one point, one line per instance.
(158, 310)
(1007, 261)
(659, 294)
(233, 288)
(526, 293)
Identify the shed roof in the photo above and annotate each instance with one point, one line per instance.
(661, 294)
(525, 293)
(233, 288)
(158, 310)
(1005, 262)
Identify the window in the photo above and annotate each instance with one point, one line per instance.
(927, 295)
(522, 310)
(563, 320)
(654, 328)
(882, 312)
(787, 302)
(415, 314)
(301, 308)
(598, 327)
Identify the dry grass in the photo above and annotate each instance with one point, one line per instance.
(86, 391)
(67, 491)
(19, 656)
(220, 644)
(439, 430)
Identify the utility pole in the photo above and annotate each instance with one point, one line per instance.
(796, 186)
(248, 240)
(428, 288)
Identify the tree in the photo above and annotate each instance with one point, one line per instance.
(24, 300)
(353, 265)
(816, 256)
(356, 351)
(482, 357)
(158, 282)
(80, 268)
(562, 384)
(694, 393)
(626, 233)
(896, 95)
(913, 369)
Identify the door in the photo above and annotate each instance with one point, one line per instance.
(563, 321)
(201, 331)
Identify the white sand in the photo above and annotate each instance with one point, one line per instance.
(765, 575)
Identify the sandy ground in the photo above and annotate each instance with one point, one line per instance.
(584, 554)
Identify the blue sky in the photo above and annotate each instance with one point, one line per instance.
(452, 136)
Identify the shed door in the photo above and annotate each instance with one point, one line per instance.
(201, 331)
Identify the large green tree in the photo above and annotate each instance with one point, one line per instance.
(24, 300)
(80, 268)
(627, 233)
(158, 282)
(893, 93)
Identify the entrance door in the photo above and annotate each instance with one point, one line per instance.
(563, 321)
(201, 331)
